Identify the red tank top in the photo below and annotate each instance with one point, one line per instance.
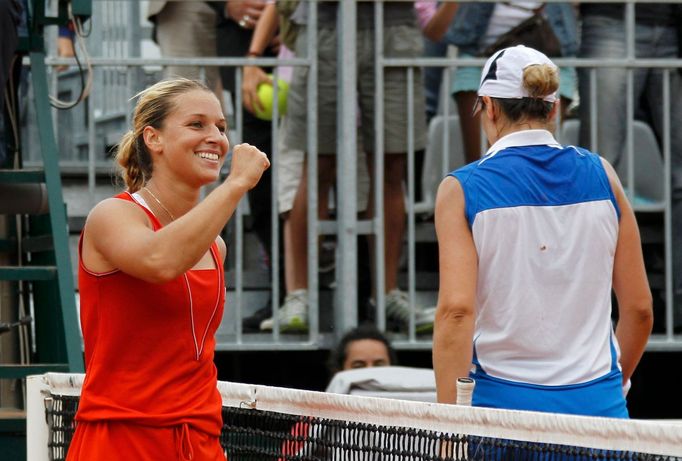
(149, 347)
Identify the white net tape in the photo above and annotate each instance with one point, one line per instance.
(641, 436)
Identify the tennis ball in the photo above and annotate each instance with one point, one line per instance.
(265, 94)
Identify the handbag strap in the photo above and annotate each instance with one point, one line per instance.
(537, 10)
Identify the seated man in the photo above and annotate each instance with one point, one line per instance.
(364, 363)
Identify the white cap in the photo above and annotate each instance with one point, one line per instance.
(502, 75)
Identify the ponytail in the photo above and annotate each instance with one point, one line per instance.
(134, 160)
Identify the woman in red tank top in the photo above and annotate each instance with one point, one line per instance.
(151, 283)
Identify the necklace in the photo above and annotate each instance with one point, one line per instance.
(160, 204)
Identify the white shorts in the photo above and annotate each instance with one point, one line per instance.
(291, 168)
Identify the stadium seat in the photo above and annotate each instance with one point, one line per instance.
(648, 162)
(433, 171)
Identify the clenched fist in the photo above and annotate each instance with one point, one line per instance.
(248, 165)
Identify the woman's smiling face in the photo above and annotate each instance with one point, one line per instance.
(193, 139)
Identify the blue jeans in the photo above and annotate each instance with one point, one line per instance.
(604, 37)
(433, 76)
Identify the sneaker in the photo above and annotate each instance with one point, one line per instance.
(398, 313)
(293, 315)
(251, 324)
(327, 257)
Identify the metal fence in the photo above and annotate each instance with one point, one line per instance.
(124, 61)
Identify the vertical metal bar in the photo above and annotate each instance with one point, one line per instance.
(54, 112)
(378, 182)
(274, 181)
(629, 138)
(239, 220)
(594, 110)
(346, 312)
(134, 39)
(120, 31)
(134, 36)
(411, 260)
(630, 105)
(131, 91)
(92, 155)
(58, 221)
(313, 289)
(667, 217)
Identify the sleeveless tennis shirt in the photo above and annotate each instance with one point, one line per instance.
(149, 347)
(545, 225)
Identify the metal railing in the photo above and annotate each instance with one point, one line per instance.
(121, 69)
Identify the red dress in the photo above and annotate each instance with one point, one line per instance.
(150, 385)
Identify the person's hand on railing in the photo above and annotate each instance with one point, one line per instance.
(65, 46)
(252, 78)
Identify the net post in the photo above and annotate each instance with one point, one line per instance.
(36, 424)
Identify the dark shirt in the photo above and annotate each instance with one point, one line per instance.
(395, 14)
(645, 13)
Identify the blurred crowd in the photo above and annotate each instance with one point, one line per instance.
(424, 28)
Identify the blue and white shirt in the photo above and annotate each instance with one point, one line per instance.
(545, 224)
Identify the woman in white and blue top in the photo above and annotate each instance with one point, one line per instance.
(532, 239)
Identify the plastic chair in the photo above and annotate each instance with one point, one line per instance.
(433, 172)
(648, 162)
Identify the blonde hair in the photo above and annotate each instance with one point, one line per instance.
(540, 80)
(154, 104)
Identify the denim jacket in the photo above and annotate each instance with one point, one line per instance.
(471, 21)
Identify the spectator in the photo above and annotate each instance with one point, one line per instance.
(235, 28)
(400, 33)
(434, 20)
(362, 347)
(475, 27)
(186, 29)
(291, 162)
(434, 17)
(656, 36)
(65, 46)
(532, 240)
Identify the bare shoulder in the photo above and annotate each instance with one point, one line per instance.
(450, 193)
(115, 210)
(611, 174)
(450, 184)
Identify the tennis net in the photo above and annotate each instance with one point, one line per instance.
(277, 424)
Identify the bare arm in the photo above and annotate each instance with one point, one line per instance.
(240, 10)
(635, 314)
(455, 314)
(118, 234)
(435, 29)
(263, 34)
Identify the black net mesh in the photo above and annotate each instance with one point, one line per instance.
(255, 435)
(60, 411)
